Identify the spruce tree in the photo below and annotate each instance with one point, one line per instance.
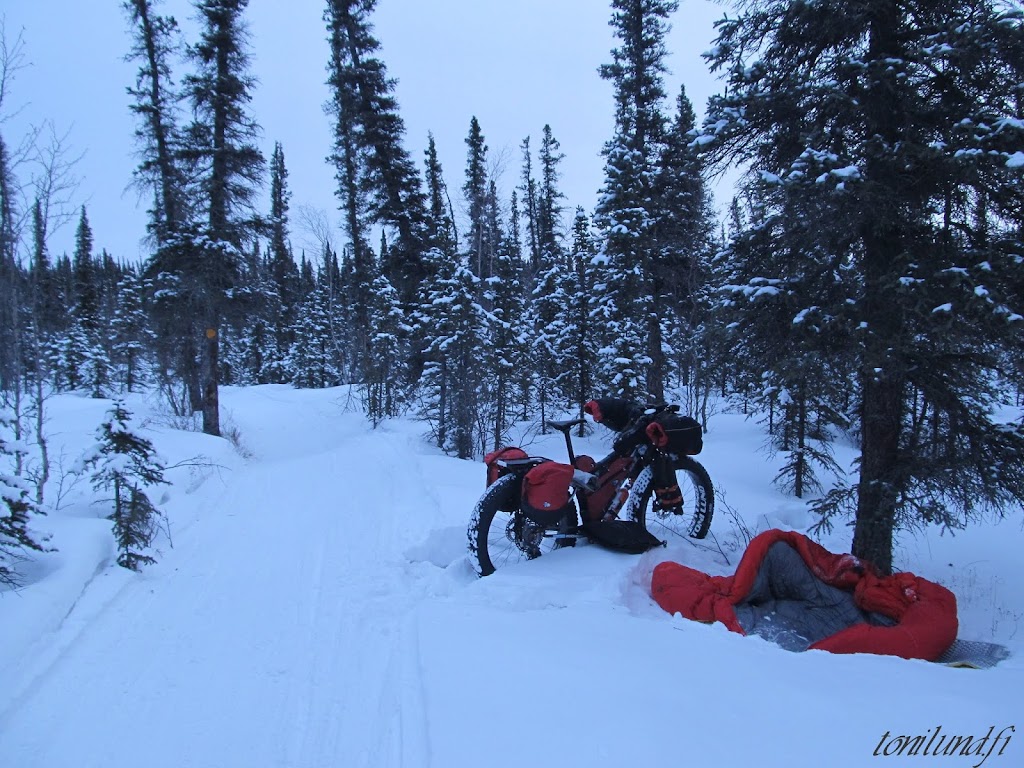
(452, 376)
(85, 350)
(528, 191)
(506, 355)
(130, 334)
(632, 359)
(576, 351)
(352, 176)
(474, 191)
(311, 362)
(877, 130)
(50, 297)
(624, 300)
(684, 247)
(441, 232)
(222, 153)
(387, 356)
(367, 116)
(16, 505)
(127, 465)
(549, 197)
(156, 44)
(433, 327)
(283, 270)
(171, 276)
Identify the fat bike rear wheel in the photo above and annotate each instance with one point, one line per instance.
(500, 535)
(692, 519)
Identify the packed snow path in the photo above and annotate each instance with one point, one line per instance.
(266, 637)
(317, 611)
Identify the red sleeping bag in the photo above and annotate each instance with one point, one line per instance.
(900, 615)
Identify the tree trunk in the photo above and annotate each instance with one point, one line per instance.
(801, 443)
(882, 413)
(211, 403)
(656, 371)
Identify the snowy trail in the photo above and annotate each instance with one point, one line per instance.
(272, 642)
(318, 610)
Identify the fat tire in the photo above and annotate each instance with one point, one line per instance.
(693, 473)
(501, 496)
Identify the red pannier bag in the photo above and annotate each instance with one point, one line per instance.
(492, 459)
(546, 492)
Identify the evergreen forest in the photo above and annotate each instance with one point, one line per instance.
(865, 283)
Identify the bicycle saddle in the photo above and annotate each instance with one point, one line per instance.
(565, 426)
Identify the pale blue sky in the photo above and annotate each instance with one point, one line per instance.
(515, 65)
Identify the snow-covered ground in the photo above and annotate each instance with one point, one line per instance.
(317, 610)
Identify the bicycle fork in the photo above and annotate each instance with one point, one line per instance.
(628, 495)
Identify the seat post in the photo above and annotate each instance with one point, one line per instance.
(568, 447)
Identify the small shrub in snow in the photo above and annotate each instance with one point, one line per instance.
(127, 464)
(16, 506)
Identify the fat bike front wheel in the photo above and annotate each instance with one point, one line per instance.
(500, 535)
(691, 519)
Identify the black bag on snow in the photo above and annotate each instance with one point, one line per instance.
(627, 536)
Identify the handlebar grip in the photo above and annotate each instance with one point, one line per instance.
(584, 480)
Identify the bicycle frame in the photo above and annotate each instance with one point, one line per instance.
(611, 472)
(640, 468)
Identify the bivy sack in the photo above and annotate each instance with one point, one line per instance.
(547, 492)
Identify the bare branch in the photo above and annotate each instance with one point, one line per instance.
(316, 229)
(55, 182)
(12, 59)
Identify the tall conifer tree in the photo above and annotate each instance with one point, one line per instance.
(229, 166)
(891, 123)
(633, 360)
(367, 115)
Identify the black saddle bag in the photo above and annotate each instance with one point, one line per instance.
(627, 536)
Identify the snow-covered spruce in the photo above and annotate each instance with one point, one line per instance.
(127, 464)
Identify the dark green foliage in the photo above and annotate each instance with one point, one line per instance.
(633, 363)
(889, 202)
(624, 301)
(549, 199)
(312, 361)
(156, 45)
(474, 190)
(284, 272)
(577, 351)
(370, 155)
(441, 232)
(387, 358)
(220, 150)
(507, 353)
(451, 380)
(127, 465)
(16, 506)
(220, 143)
